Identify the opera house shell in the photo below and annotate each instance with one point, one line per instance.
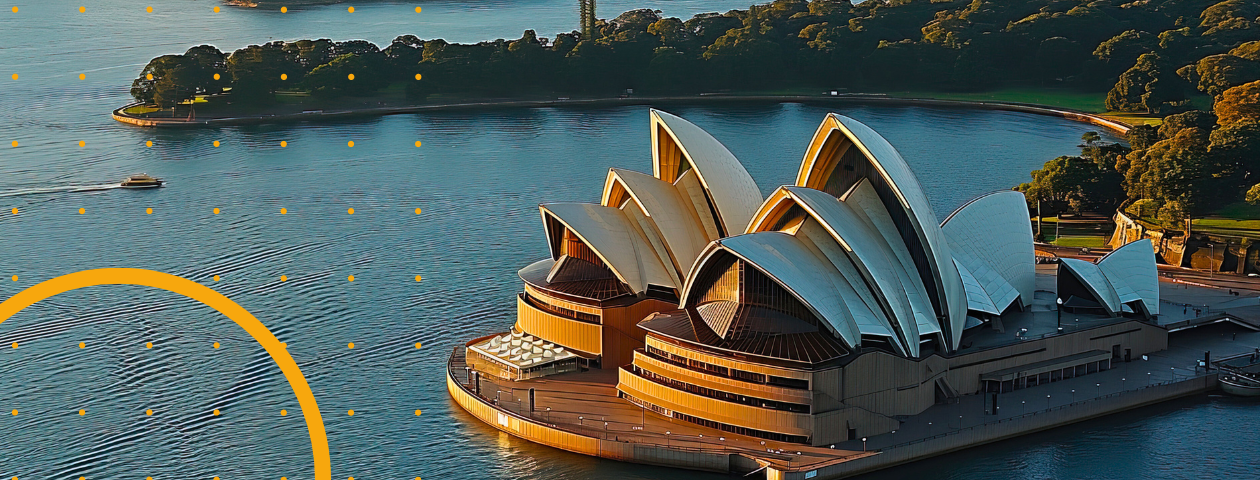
(801, 317)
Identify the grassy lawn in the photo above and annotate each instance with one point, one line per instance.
(1084, 101)
(140, 110)
(1091, 241)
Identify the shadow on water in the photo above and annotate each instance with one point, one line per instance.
(1169, 440)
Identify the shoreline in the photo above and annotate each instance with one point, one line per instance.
(1079, 116)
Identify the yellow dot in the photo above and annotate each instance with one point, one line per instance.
(417, 413)
(418, 76)
(82, 211)
(417, 211)
(82, 143)
(350, 76)
(284, 413)
(148, 143)
(284, 9)
(15, 414)
(82, 76)
(216, 278)
(216, 211)
(148, 9)
(418, 278)
(284, 76)
(216, 76)
(216, 345)
(417, 11)
(350, 144)
(148, 345)
(216, 144)
(82, 344)
(216, 10)
(149, 413)
(284, 345)
(283, 210)
(82, 9)
(15, 9)
(351, 345)
(283, 278)
(418, 143)
(417, 344)
(351, 10)
(148, 211)
(283, 144)
(216, 412)
(15, 76)
(350, 211)
(82, 412)
(349, 412)
(148, 76)
(14, 143)
(350, 278)
(15, 277)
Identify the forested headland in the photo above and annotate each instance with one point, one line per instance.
(1196, 62)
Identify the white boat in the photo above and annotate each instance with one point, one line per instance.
(1240, 385)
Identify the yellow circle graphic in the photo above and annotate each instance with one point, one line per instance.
(210, 298)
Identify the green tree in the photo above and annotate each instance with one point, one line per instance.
(1077, 183)
(1148, 86)
(1253, 194)
(1238, 103)
(256, 71)
(332, 79)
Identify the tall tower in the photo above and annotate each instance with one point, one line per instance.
(586, 9)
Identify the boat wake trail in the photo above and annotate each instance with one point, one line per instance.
(67, 188)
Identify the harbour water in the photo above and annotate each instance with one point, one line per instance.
(477, 178)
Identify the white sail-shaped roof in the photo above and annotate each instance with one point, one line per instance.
(609, 233)
(889, 277)
(977, 298)
(1131, 270)
(670, 216)
(732, 191)
(1123, 278)
(892, 168)
(992, 237)
(1093, 279)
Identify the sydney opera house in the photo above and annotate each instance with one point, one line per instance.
(824, 313)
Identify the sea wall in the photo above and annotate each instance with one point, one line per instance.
(1003, 429)
(1115, 126)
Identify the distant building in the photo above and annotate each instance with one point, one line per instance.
(817, 315)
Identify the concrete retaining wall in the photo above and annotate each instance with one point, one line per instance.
(992, 432)
(1115, 126)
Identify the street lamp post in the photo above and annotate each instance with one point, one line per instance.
(863, 444)
(1047, 402)
(667, 439)
(1073, 395)
(1023, 407)
(1097, 389)
(1059, 321)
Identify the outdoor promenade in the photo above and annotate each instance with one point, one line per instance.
(581, 412)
